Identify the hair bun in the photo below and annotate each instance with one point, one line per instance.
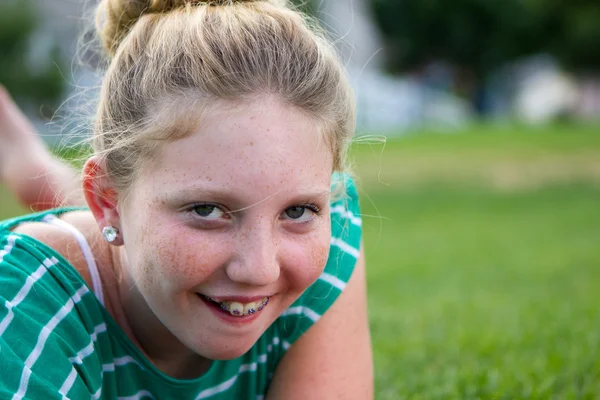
(114, 18)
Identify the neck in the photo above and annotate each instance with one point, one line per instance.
(146, 331)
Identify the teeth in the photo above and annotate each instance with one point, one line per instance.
(250, 308)
(262, 303)
(239, 309)
(236, 308)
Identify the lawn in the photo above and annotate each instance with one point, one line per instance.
(483, 262)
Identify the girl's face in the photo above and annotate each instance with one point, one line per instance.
(229, 218)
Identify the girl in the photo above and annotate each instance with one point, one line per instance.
(219, 252)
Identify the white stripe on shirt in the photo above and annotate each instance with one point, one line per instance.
(68, 383)
(345, 247)
(43, 337)
(11, 239)
(333, 281)
(24, 291)
(299, 310)
(344, 212)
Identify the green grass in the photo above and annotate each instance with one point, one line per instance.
(483, 258)
(480, 289)
(485, 295)
(9, 207)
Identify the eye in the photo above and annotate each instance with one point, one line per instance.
(208, 211)
(295, 212)
(301, 213)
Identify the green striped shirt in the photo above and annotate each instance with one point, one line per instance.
(57, 341)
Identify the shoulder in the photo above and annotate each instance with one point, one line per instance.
(36, 280)
(343, 189)
(65, 243)
(47, 318)
(346, 222)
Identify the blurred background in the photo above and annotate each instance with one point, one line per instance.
(478, 157)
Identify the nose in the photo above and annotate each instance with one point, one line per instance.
(256, 262)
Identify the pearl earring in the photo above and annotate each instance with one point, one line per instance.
(110, 233)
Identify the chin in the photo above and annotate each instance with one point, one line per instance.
(224, 353)
(222, 347)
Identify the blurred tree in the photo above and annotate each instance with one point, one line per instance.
(572, 31)
(478, 36)
(28, 83)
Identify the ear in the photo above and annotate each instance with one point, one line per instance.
(101, 196)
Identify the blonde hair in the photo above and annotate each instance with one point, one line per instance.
(165, 52)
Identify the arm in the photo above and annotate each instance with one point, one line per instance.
(333, 359)
(37, 178)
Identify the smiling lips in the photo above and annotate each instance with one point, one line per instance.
(238, 309)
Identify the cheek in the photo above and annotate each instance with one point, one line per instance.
(311, 258)
(180, 259)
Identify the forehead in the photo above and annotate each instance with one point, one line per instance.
(259, 144)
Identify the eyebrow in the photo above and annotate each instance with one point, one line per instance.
(232, 196)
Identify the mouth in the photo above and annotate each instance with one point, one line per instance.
(238, 309)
